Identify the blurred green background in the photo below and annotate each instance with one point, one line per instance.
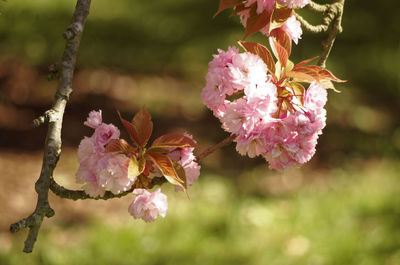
(341, 208)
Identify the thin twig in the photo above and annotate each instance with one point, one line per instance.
(336, 29)
(62, 192)
(332, 16)
(211, 149)
(317, 7)
(54, 117)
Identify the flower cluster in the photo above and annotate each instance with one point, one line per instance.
(98, 170)
(268, 16)
(266, 114)
(108, 163)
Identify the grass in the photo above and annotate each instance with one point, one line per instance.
(342, 216)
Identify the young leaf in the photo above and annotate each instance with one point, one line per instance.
(298, 90)
(135, 167)
(224, 4)
(144, 126)
(281, 53)
(119, 145)
(256, 21)
(131, 129)
(303, 74)
(305, 62)
(325, 74)
(283, 39)
(279, 16)
(328, 85)
(238, 9)
(181, 172)
(165, 165)
(260, 50)
(173, 140)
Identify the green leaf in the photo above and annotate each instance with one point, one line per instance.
(328, 85)
(180, 171)
(298, 90)
(136, 167)
(173, 140)
(260, 50)
(144, 126)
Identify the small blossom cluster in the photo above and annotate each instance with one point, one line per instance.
(291, 26)
(284, 137)
(100, 171)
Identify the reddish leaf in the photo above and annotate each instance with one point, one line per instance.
(283, 39)
(315, 71)
(239, 9)
(131, 129)
(118, 145)
(279, 16)
(165, 165)
(260, 50)
(326, 74)
(281, 53)
(303, 75)
(256, 21)
(224, 4)
(144, 126)
(173, 140)
(305, 62)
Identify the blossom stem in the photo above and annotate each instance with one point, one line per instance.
(211, 149)
(332, 16)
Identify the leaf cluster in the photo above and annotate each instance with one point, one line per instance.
(154, 158)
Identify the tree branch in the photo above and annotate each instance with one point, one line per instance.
(54, 117)
(62, 192)
(332, 16)
(336, 29)
(317, 7)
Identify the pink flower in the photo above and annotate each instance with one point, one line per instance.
(315, 97)
(223, 57)
(262, 5)
(148, 206)
(94, 120)
(103, 135)
(112, 173)
(294, 3)
(86, 149)
(86, 174)
(292, 28)
(253, 145)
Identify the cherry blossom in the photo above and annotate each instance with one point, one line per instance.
(148, 205)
